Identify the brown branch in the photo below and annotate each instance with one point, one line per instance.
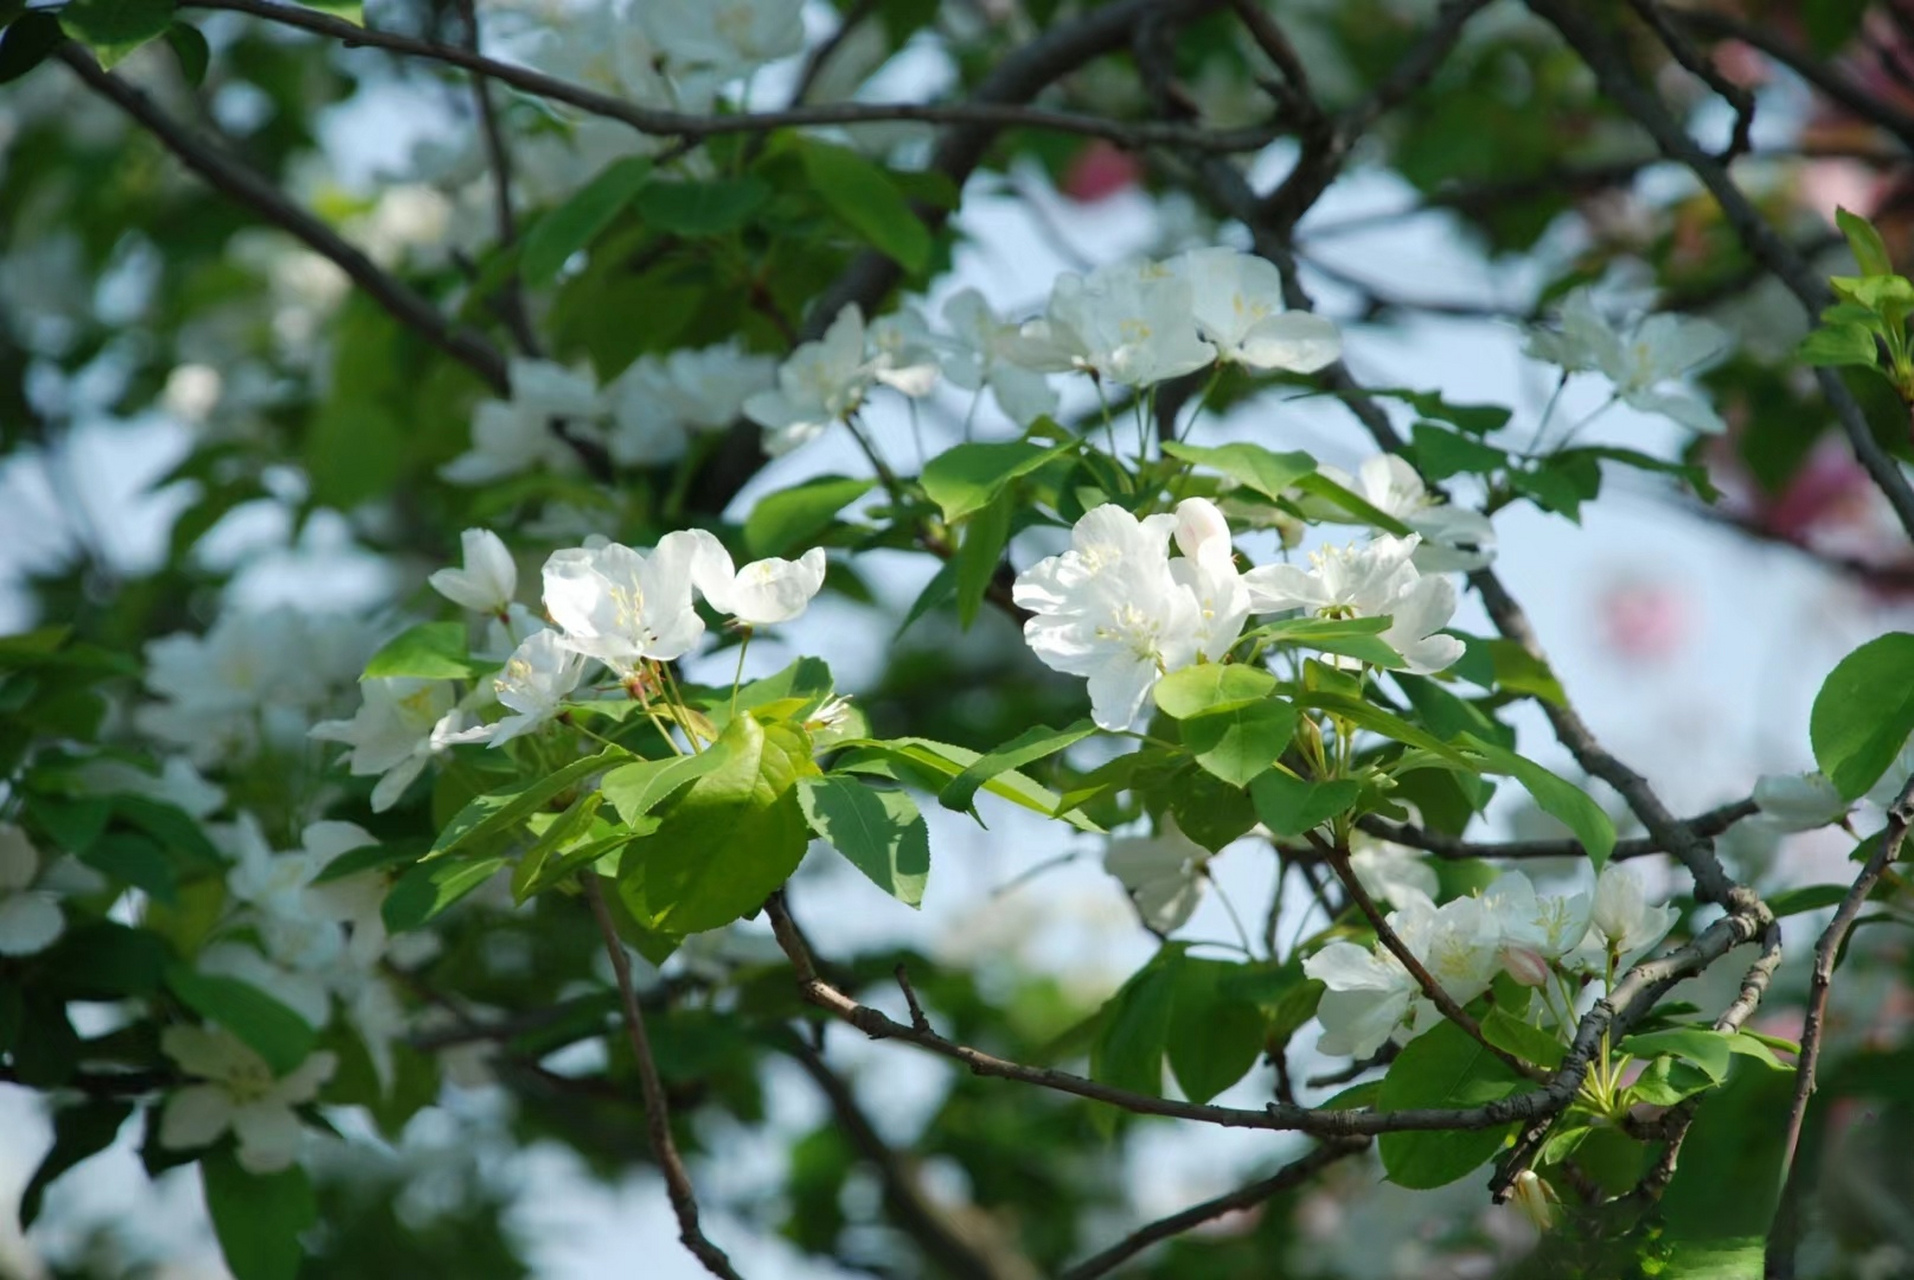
(1703, 825)
(1691, 60)
(237, 182)
(1288, 1178)
(1828, 949)
(954, 1245)
(1619, 85)
(664, 1147)
(498, 155)
(1338, 860)
(657, 122)
(1632, 998)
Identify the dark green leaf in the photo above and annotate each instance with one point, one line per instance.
(879, 832)
(25, 44)
(1531, 1044)
(701, 208)
(1721, 1199)
(1561, 800)
(1214, 1036)
(268, 1028)
(574, 224)
(636, 789)
(429, 888)
(258, 1217)
(1289, 806)
(1864, 713)
(429, 651)
(864, 197)
(105, 960)
(498, 813)
(114, 28)
(80, 1130)
(1322, 487)
(1129, 1047)
(190, 47)
(1441, 453)
(1270, 474)
(784, 521)
(1443, 1067)
(1032, 744)
(986, 533)
(1703, 1046)
(1241, 742)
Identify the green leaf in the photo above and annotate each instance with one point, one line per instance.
(574, 224)
(1135, 1027)
(986, 533)
(1864, 713)
(114, 28)
(258, 1216)
(728, 841)
(497, 813)
(1441, 453)
(712, 208)
(1367, 715)
(25, 43)
(429, 888)
(879, 832)
(569, 827)
(1358, 638)
(1870, 251)
(969, 477)
(1531, 1044)
(1268, 473)
(782, 522)
(1722, 1196)
(134, 859)
(267, 1027)
(1032, 744)
(1811, 897)
(1209, 810)
(105, 960)
(1834, 345)
(352, 11)
(429, 651)
(190, 47)
(1703, 1046)
(1193, 690)
(1289, 806)
(1241, 742)
(1558, 798)
(1322, 487)
(942, 761)
(1444, 1067)
(1214, 1035)
(1476, 419)
(80, 1130)
(864, 197)
(636, 789)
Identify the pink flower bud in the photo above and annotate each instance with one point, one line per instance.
(1198, 524)
(1526, 966)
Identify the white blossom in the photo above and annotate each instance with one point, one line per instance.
(621, 607)
(978, 356)
(1110, 609)
(1390, 871)
(1799, 801)
(30, 919)
(822, 382)
(239, 1093)
(511, 436)
(659, 401)
(402, 724)
(1207, 570)
(487, 581)
(1638, 358)
(1371, 997)
(1237, 299)
(1621, 924)
(1372, 581)
(1454, 538)
(762, 593)
(1535, 929)
(1129, 322)
(902, 354)
(731, 38)
(178, 783)
(534, 684)
(1163, 874)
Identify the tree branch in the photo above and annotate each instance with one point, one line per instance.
(1288, 1178)
(1712, 823)
(1619, 84)
(658, 122)
(512, 293)
(240, 184)
(664, 1148)
(1743, 102)
(1826, 951)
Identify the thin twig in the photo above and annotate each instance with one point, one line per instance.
(1828, 949)
(1712, 823)
(664, 1148)
(1338, 860)
(1704, 70)
(918, 1021)
(498, 155)
(242, 185)
(1288, 1178)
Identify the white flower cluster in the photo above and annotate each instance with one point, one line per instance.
(1806, 801)
(1638, 358)
(1135, 322)
(316, 948)
(1117, 609)
(646, 416)
(1370, 997)
(253, 682)
(611, 605)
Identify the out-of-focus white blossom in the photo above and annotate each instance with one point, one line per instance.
(822, 382)
(1638, 358)
(1371, 997)
(1237, 300)
(239, 1093)
(1130, 322)
(399, 727)
(511, 436)
(30, 919)
(978, 356)
(1455, 539)
(488, 579)
(1163, 874)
